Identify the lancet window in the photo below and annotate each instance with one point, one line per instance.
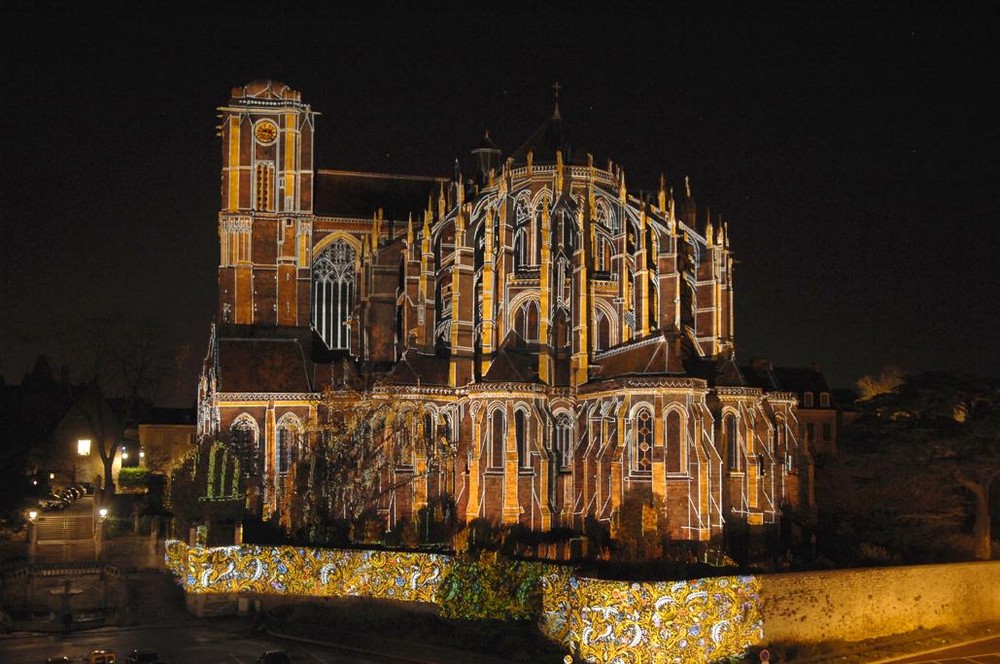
(288, 439)
(642, 442)
(563, 442)
(498, 436)
(521, 436)
(675, 442)
(244, 439)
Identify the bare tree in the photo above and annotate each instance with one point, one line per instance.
(359, 440)
(128, 367)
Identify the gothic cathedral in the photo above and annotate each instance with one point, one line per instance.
(569, 341)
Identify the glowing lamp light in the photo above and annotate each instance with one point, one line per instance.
(52, 476)
(124, 455)
(103, 513)
(32, 515)
(34, 482)
(142, 455)
(83, 446)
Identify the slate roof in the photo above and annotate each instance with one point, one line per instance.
(350, 194)
(419, 369)
(653, 355)
(262, 365)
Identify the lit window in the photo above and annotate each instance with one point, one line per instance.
(83, 447)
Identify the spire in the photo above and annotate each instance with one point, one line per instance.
(661, 197)
(555, 90)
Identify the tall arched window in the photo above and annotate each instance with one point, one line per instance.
(429, 431)
(564, 438)
(288, 435)
(642, 442)
(521, 436)
(498, 436)
(244, 440)
(675, 443)
(525, 254)
(403, 444)
(526, 321)
(603, 331)
(333, 294)
(732, 441)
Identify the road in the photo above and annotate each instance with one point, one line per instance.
(205, 643)
(983, 651)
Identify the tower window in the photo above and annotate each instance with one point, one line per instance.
(265, 187)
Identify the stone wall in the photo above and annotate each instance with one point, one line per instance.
(853, 605)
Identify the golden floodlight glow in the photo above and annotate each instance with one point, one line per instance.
(83, 446)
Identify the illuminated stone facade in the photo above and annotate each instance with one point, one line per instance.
(573, 341)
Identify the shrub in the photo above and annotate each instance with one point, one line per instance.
(491, 588)
(132, 477)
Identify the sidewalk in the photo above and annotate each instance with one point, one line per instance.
(884, 650)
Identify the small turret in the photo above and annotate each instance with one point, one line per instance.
(487, 159)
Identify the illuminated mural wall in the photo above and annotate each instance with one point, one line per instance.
(601, 621)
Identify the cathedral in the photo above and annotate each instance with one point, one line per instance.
(571, 341)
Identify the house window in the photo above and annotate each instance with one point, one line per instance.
(333, 294)
(83, 447)
(827, 431)
(807, 399)
(811, 431)
(824, 399)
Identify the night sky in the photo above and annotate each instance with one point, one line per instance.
(853, 150)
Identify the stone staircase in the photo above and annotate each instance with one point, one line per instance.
(65, 538)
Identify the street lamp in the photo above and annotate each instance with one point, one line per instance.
(32, 515)
(102, 513)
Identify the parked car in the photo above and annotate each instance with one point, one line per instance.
(142, 657)
(101, 657)
(52, 502)
(274, 657)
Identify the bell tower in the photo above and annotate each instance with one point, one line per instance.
(265, 217)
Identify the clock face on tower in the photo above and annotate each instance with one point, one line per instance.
(265, 131)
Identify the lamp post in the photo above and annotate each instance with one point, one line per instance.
(32, 535)
(102, 515)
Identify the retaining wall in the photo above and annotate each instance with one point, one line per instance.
(600, 621)
(853, 605)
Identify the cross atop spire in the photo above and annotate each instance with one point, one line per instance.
(555, 91)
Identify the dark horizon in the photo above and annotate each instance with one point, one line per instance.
(850, 149)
